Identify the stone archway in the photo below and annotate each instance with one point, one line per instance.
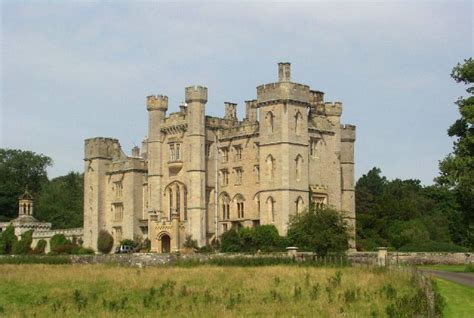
(165, 244)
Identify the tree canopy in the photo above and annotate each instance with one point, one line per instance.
(20, 169)
(457, 169)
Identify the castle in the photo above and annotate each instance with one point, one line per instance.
(199, 176)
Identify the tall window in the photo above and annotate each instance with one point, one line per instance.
(269, 122)
(257, 173)
(313, 147)
(298, 124)
(208, 150)
(238, 152)
(172, 152)
(240, 210)
(170, 193)
(175, 151)
(185, 204)
(225, 154)
(118, 188)
(225, 206)
(118, 211)
(238, 176)
(178, 200)
(299, 205)
(270, 167)
(271, 209)
(225, 177)
(299, 161)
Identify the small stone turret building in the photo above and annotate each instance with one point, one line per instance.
(200, 175)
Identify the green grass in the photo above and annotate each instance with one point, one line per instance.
(449, 268)
(459, 299)
(39, 290)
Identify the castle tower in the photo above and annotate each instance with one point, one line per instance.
(283, 148)
(98, 154)
(196, 98)
(348, 137)
(157, 105)
(230, 111)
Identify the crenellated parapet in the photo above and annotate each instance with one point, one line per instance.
(251, 110)
(283, 91)
(316, 97)
(102, 148)
(230, 111)
(196, 94)
(333, 109)
(348, 133)
(157, 102)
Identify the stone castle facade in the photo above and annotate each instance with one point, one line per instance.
(200, 175)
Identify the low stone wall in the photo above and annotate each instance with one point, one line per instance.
(431, 258)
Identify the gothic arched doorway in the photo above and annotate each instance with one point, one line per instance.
(165, 244)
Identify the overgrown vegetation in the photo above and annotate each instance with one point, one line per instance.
(203, 291)
(264, 238)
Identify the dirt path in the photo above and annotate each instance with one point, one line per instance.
(460, 278)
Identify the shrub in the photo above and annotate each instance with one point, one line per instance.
(40, 247)
(105, 242)
(59, 244)
(79, 250)
(431, 246)
(129, 242)
(230, 241)
(23, 246)
(7, 240)
(190, 243)
(319, 230)
(267, 239)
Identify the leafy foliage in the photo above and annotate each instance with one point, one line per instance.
(61, 201)
(319, 230)
(105, 242)
(59, 244)
(40, 247)
(7, 240)
(23, 246)
(399, 213)
(20, 169)
(190, 243)
(457, 169)
(263, 238)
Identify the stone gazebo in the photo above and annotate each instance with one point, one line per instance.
(25, 220)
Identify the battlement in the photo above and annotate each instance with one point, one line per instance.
(101, 147)
(333, 109)
(251, 110)
(196, 94)
(316, 97)
(348, 133)
(283, 90)
(284, 72)
(157, 102)
(230, 111)
(242, 130)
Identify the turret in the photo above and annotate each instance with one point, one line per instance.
(230, 111)
(196, 98)
(348, 137)
(284, 72)
(251, 110)
(25, 204)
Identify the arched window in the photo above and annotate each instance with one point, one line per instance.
(269, 122)
(170, 193)
(298, 124)
(257, 203)
(239, 199)
(225, 207)
(299, 205)
(270, 167)
(299, 164)
(178, 200)
(271, 209)
(185, 204)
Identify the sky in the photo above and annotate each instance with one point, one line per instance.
(75, 70)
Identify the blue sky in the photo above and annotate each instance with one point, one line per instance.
(75, 70)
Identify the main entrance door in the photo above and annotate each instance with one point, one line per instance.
(165, 244)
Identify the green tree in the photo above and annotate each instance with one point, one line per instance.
(40, 247)
(23, 246)
(59, 244)
(19, 169)
(61, 201)
(457, 169)
(105, 242)
(320, 230)
(7, 240)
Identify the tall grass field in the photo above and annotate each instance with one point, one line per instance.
(203, 291)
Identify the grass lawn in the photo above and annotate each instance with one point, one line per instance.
(202, 291)
(459, 299)
(449, 268)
